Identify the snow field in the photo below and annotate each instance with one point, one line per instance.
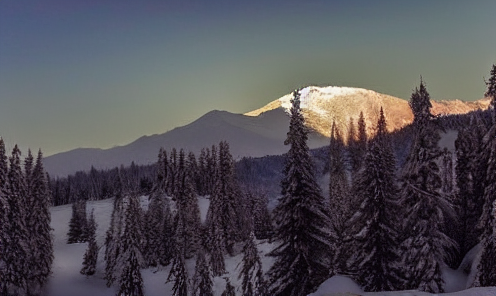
(66, 279)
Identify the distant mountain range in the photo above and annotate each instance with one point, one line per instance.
(260, 132)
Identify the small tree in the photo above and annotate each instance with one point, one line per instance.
(251, 270)
(77, 224)
(178, 272)
(131, 260)
(91, 255)
(113, 243)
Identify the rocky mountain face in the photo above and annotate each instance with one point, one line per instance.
(260, 132)
(323, 105)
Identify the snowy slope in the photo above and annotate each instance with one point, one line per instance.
(66, 279)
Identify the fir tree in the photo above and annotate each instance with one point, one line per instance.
(374, 224)
(425, 244)
(491, 87)
(468, 204)
(77, 224)
(130, 260)
(340, 205)
(4, 210)
(41, 255)
(357, 144)
(113, 244)
(302, 224)
(486, 269)
(261, 219)
(203, 276)
(91, 255)
(167, 242)
(178, 272)
(225, 193)
(251, 270)
(17, 237)
(154, 226)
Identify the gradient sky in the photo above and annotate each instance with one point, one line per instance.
(99, 73)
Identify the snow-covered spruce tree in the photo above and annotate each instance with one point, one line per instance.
(17, 237)
(41, 254)
(491, 87)
(215, 238)
(261, 219)
(178, 272)
(154, 226)
(212, 167)
(486, 269)
(340, 199)
(160, 184)
(251, 272)
(91, 255)
(447, 172)
(425, 245)
(166, 236)
(189, 202)
(202, 281)
(468, 205)
(78, 222)
(357, 144)
(302, 225)
(4, 209)
(172, 172)
(374, 225)
(113, 243)
(226, 193)
(131, 260)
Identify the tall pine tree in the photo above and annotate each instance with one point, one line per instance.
(486, 269)
(91, 255)
(113, 243)
(425, 245)
(4, 210)
(131, 259)
(374, 224)
(16, 248)
(340, 199)
(41, 255)
(302, 223)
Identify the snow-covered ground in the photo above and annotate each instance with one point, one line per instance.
(66, 279)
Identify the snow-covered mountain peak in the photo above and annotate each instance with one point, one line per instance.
(313, 97)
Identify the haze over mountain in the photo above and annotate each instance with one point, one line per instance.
(259, 132)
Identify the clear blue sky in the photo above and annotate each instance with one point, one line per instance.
(98, 73)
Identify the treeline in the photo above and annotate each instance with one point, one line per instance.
(170, 230)
(26, 247)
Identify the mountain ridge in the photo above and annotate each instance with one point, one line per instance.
(260, 132)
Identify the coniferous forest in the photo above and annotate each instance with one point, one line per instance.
(390, 212)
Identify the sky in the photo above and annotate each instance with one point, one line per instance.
(100, 74)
